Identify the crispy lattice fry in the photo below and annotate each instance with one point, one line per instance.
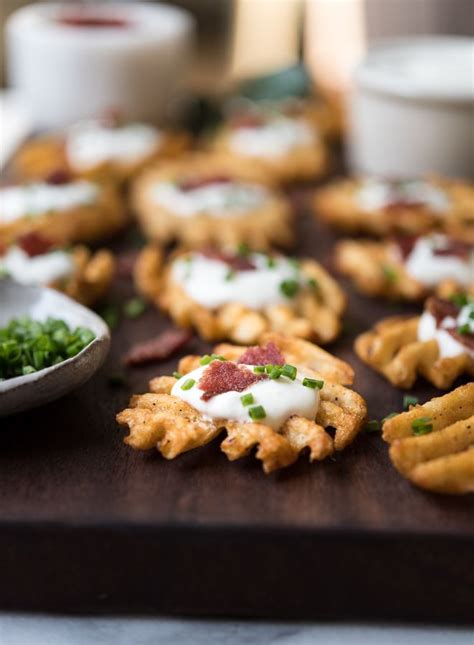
(159, 419)
(432, 445)
(92, 277)
(314, 313)
(393, 349)
(378, 269)
(340, 206)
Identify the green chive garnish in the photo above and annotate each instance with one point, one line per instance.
(257, 412)
(110, 314)
(289, 371)
(289, 288)
(28, 369)
(464, 329)
(230, 275)
(205, 360)
(247, 399)
(389, 273)
(372, 426)
(259, 369)
(271, 262)
(312, 283)
(243, 249)
(459, 299)
(275, 372)
(294, 262)
(409, 400)
(268, 367)
(134, 307)
(177, 375)
(422, 426)
(313, 383)
(187, 385)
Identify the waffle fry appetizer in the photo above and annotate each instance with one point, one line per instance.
(280, 398)
(81, 274)
(288, 144)
(408, 268)
(102, 150)
(60, 209)
(432, 445)
(206, 199)
(227, 295)
(438, 345)
(382, 207)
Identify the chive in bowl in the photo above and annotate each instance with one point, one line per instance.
(30, 390)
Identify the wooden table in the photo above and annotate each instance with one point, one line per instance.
(87, 524)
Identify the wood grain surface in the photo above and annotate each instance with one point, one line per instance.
(87, 524)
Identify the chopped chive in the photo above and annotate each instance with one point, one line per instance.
(275, 372)
(471, 315)
(271, 262)
(268, 367)
(110, 314)
(134, 307)
(409, 400)
(218, 357)
(187, 385)
(313, 383)
(289, 371)
(257, 412)
(312, 283)
(259, 369)
(464, 329)
(177, 375)
(389, 273)
(289, 288)
(295, 263)
(205, 360)
(372, 426)
(28, 369)
(459, 299)
(422, 426)
(230, 275)
(247, 399)
(243, 249)
(389, 416)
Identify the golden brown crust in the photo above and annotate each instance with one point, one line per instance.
(336, 205)
(442, 460)
(160, 420)
(314, 314)
(40, 157)
(92, 276)
(88, 223)
(268, 225)
(377, 270)
(393, 349)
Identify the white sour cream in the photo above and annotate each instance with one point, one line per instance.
(430, 269)
(33, 200)
(375, 194)
(40, 269)
(281, 398)
(217, 200)
(207, 282)
(90, 143)
(448, 346)
(276, 138)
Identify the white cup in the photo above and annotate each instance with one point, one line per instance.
(65, 71)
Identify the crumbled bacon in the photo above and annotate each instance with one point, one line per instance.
(405, 244)
(262, 355)
(156, 349)
(400, 202)
(87, 20)
(224, 376)
(200, 182)
(246, 120)
(34, 244)
(58, 177)
(126, 263)
(441, 309)
(235, 262)
(454, 248)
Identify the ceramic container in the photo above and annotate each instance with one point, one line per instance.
(412, 110)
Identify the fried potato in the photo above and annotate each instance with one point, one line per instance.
(442, 460)
(92, 277)
(392, 348)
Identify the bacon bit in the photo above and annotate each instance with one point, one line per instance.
(441, 309)
(405, 244)
(235, 262)
(58, 177)
(88, 20)
(200, 182)
(224, 376)
(454, 248)
(464, 339)
(246, 120)
(34, 244)
(126, 264)
(157, 349)
(395, 204)
(262, 355)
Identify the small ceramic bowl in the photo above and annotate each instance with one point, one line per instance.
(25, 392)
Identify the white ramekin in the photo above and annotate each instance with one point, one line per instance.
(412, 110)
(64, 73)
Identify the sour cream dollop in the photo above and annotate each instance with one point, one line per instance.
(374, 194)
(91, 143)
(281, 398)
(212, 283)
(34, 200)
(217, 200)
(41, 269)
(430, 268)
(448, 345)
(275, 138)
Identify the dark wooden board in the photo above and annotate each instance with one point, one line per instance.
(86, 524)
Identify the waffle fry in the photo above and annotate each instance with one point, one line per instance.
(163, 421)
(441, 457)
(314, 313)
(92, 277)
(263, 225)
(377, 269)
(338, 205)
(393, 349)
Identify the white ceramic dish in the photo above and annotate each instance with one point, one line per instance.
(25, 392)
(412, 109)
